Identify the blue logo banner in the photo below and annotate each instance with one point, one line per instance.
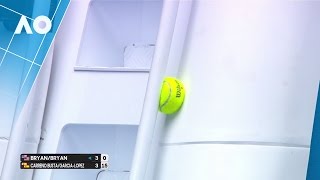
(27, 29)
(314, 158)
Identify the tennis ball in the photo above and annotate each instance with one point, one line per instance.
(171, 96)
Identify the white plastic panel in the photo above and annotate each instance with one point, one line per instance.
(138, 56)
(98, 97)
(115, 140)
(232, 162)
(112, 26)
(3, 150)
(88, 97)
(251, 71)
(85, 97)
(7, 113)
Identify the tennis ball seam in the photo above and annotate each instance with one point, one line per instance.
(168, 99)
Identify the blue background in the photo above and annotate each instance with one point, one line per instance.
(22, 55)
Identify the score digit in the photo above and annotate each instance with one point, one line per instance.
(104, 157)
(104, 165)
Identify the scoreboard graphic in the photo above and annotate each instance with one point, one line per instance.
(64, 161)
(27, 29)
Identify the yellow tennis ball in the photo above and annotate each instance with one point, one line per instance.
(171, 96)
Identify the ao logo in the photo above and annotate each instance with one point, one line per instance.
(41, 24)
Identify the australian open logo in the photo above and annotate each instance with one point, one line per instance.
(41, 25)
